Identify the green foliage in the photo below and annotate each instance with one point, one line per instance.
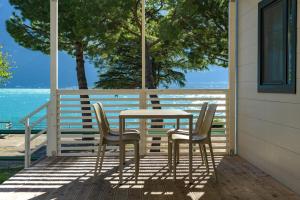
(181, 35)
(88, 22)
(121, 66)
(207, 32)
(84, 27)
(5, 66)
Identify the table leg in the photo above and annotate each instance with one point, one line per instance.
(177, 146)
(190, 149)
(170, 149)
(121, 124)
(174, 160)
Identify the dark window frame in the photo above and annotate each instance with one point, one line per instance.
(290, 48)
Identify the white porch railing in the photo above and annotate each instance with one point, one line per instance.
(154, 140)
(76, 137)
(39, 116)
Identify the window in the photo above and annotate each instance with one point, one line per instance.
(277, 46)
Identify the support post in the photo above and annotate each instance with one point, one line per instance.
(143, 46)
(52, 109)
(27, 153)
(143, 123)
(232, 76)
(143, 94)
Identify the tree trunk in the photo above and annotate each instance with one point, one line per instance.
(150, 84)
(82, 83)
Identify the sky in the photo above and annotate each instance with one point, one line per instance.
(32, 67)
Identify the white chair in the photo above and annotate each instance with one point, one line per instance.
(107, 137)
(185, 132)
(202, 136)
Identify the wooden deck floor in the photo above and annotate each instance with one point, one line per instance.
(66, 178)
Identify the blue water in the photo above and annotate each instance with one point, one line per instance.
(17, 103)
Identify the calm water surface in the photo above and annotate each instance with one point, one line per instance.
(17, 103)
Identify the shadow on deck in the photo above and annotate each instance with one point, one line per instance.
(65, 178)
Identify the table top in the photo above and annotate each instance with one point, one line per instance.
(155, 113)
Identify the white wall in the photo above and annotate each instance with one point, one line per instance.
(268, 124)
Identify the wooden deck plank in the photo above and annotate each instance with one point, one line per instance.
(64, 178)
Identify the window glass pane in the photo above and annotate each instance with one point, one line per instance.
(274, 44)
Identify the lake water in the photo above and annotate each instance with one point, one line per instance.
(17, 103)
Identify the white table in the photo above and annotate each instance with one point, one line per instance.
(157, 114)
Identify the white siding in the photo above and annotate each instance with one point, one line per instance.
(268, 124)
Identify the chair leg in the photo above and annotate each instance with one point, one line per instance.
(200, 149)
(174, 160)
(206, 160)
(137, 160)
(97, 160)
(213, 159)
(122, 149)
(177, 153)
(170, 149)
(124, 156)
(102, 157)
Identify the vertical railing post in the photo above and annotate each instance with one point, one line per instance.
(27, 154)
(227, 123)
(52, 111)
(143, 122)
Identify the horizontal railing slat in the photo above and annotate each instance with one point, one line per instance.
(97, 99)
(90, 105)
(98, 91)
(179, 105)
(188, 99)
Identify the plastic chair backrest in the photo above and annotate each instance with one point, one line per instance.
(103, 129)
(201, 117)
(104, 116)
(105, 124)
(205, 129)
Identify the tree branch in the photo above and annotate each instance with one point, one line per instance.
(44, 33)
(130, 31)
(151, 14)
(135, 15)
